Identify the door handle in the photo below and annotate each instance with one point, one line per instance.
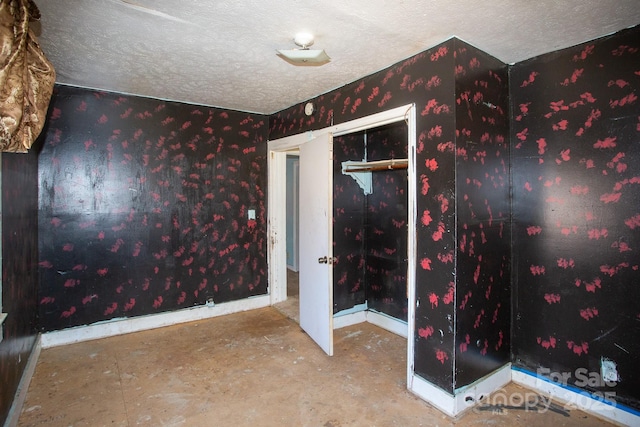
(323, 260)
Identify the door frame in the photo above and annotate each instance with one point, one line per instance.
(276, 209)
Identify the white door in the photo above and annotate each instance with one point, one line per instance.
(316, 240)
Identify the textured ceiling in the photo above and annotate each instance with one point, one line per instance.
(223, 53)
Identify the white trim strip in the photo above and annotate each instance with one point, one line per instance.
(389, 323)
(455, 405)
(433, 395)
(142, 323)
(412, 243)
(381, 320)
(21, 393)
(468, 396)
(349, 319)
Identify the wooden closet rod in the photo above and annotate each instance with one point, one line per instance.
(377, 168)
(379, 165)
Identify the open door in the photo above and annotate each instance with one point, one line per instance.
(316, 195)
(315, 233)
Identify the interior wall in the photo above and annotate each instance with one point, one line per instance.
(144, 207)
(370, 230)
(117, 237)
(427, 80)
(574, 175)
(349, 282)
(19, 269)
(576, 186)
(385, 242)
(483, 225)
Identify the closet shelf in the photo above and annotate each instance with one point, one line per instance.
(378, 165)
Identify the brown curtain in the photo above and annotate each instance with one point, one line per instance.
(26, 77)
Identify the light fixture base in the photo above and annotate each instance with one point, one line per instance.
(303, 40)
(304, 55)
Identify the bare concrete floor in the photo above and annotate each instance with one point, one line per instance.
(291, 307)
(248, 369)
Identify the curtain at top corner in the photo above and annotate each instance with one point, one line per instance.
(26, 77)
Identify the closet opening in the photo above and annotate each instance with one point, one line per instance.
(370, 227)
(366, 272)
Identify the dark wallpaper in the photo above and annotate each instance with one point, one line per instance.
(483, 226)
(349, 281)
(370, 231)
(576, 208)
(386, 224)
(429, 80)
(144, 207)
(19, 269)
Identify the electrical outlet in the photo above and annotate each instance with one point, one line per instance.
(608, 370)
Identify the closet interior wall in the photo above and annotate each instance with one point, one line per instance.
(370, 231)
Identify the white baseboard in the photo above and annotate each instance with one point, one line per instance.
(573, 397)
(466, 397)
(433, 395)
(124, 326)
(389, 323)
(383, 321)
(349, 319)
(21, 393)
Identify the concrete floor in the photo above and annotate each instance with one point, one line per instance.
(248, 369)
(291, 307)
(255, 368)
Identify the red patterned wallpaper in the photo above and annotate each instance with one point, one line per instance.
(144, 207)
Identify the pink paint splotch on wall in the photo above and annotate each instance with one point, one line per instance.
(150, 199)
(575, 240)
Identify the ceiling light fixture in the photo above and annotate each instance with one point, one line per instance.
(304, 55)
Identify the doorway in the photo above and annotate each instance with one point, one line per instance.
(278, 150)
(370, 227)
(290, 306)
